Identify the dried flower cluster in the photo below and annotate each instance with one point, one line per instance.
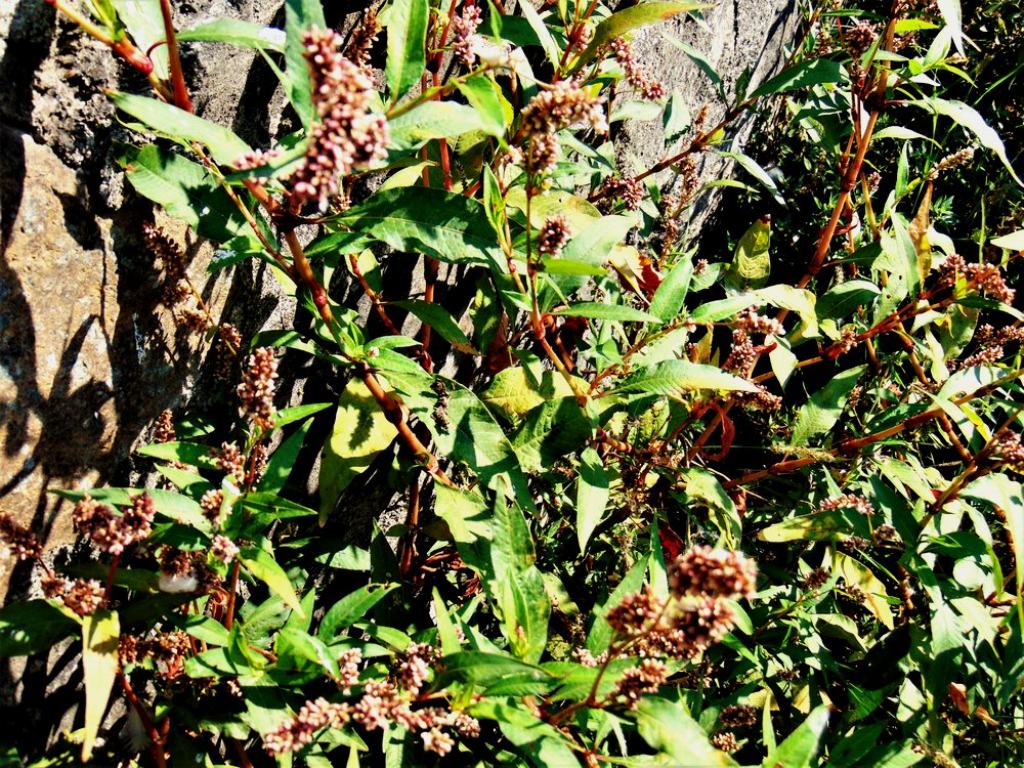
(82, 596)
(859, 37)
(168, 650)
(113, 532)
(649, 89)
(949, 162)
(738, 716)
(381, 702)
(704, 571)
(553, 236)
(637, 681)
(629, 190)
(361, 41)
(697, 613)
(991, 344)
(854, 501)
(988, 278)
(742, 355)
(348, 135)
(562, 105)
(751, 322)
(223, 548)
(464, 28)
(230, 461)
(175, 287)
(17, 540)
(256, 392)
(163, 428)
(1007, 447)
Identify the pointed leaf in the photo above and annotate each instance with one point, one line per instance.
(262, 565)
(100, 634)
(407, 54)
(361, 431)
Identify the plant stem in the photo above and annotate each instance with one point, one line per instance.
(180, 90)
(157, 746)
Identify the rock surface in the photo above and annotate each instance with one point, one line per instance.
(88, 357)
(742, 36)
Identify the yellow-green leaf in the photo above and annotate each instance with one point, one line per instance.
(626, 20)
(100, 634)
(361, 431)
(516, 391)
(751, 263)
(859, 575)
(262, 565)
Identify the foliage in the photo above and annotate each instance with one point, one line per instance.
(590, 452)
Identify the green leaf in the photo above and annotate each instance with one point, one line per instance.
(100, 634)
(293, 645)
(846, 298)
(668, 299)
(30, 627)
(702, 486)
(859, 575)
(518, 585)
(438, 318)
(351, 609)
(969, 118)
(447, 632)
(300, 16)
(1013, 241)
(614, 312)
(468, 518)
(484, 96)
(676, 378)
(184, 189)
(591, 496)
(751, 263)
(449, 227)
(514, 392)
(245, 34)
(899, 259)
(543, 33)
(183, 127)
(621, 22)
(294, 413)
(760, 174)
(262, 565)
(818, 71)
(720, 309)
(953, 16)
(798, 300)
(407, 53)
(361, 431)
(819, 414)
(667, 727)
(193, 454)
(491, 669)
(280, 465)
(1007, 496)
(803, 744)
(551, 431)
(433, 120)
(144, 22)
(821, 526)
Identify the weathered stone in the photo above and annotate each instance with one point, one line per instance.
(745, 36)
(89, 356)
